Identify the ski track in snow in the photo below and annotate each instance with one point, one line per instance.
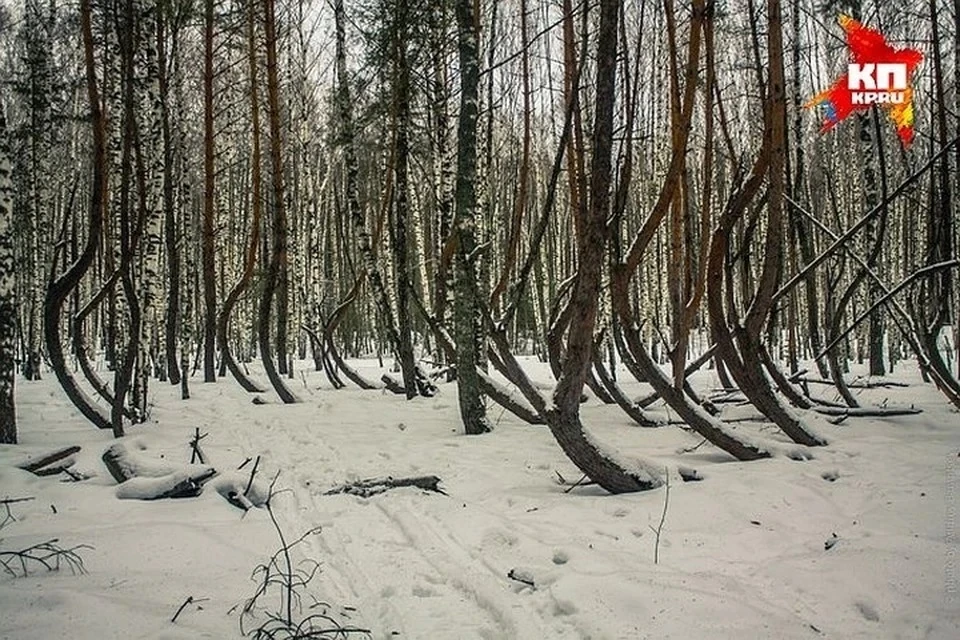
(421, 566)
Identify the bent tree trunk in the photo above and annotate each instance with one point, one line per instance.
(250, 259)
(366, 242)
(278, 256)
(563, 417)
(743, 359)
(60, 287)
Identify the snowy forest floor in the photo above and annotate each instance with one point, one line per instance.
(742, 553)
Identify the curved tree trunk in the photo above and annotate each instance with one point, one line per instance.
(61, 286)
(278, 256)
(365, 241)
(329, 343)
(563, 417)
(253, 244)
(124, 372)
(79, 340)
(743, 358)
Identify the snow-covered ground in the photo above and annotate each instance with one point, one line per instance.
(742, 553)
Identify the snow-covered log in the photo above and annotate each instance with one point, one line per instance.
(180, 484)
(52, 463)
(373, 486)
(144, 478)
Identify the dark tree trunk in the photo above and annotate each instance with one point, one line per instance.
(253, 244)
(564, 416)
(61, 286)
(124, 372)
(172, 315)
(207, 244)
(278, 255)
(401, 88)
(465, 311)
(743, 359)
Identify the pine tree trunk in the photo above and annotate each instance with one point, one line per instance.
(278, 255)
(253, 244)
(207, 243)
(61, 287)
(564, 416)
(401, 88)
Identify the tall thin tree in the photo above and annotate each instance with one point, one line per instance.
(465, 303)
(278, 255)
(209, 177)
(8, 306)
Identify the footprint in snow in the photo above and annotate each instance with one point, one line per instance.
(422, 591)
(867, 611)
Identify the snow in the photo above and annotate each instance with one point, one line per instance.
(741, 554)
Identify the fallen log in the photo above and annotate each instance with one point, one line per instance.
(373, 486)
(50, 464)
(174, 485)
(866, 384)
(393, 385)
(867, 412)
(728, 398)
(144, 478)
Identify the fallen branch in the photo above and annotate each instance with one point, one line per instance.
(522, 577)
(867, 412)
(49, 555)
(190, 600)
(174, 485)
(854, 385)
(42, 466)
(9, 515)
(241, 499)
(373, 486)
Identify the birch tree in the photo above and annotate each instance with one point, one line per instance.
(8, 302)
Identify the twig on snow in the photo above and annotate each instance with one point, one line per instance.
(663, 516)
(190, 600)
